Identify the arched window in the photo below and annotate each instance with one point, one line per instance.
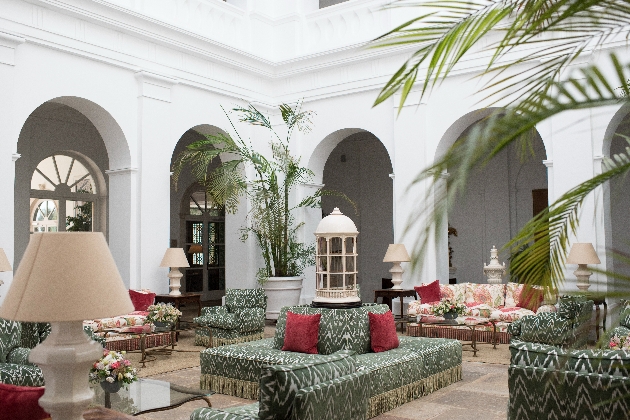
(63, 196)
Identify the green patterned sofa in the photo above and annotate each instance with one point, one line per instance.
(417, 367)
(16, 341)
(242, 319)
(549, 378)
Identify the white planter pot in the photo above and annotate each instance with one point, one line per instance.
(282, 291)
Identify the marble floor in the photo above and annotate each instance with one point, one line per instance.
(482, 393)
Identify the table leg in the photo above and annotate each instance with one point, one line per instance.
(199, 307)
(494, 336)
(605, 313)
(473, 340)
(143, 349)
(597, 322)
(402, 324)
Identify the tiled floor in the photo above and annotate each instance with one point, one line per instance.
(482, 394)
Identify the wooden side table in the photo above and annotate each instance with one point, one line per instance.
(392, 294)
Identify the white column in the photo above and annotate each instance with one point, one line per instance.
(153, 183)
(9, 133)
(123, 216)
(311, 218)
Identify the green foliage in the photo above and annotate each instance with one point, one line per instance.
(271, 218)
(82, 222)
(527, 71)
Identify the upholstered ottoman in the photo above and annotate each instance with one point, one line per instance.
(417, 367)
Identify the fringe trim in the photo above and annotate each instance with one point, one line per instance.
(378, 404)
(204, 340)
(389, 400)
(230, 386)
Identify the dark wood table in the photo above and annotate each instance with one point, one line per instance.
(392, 294)
(600, 301)
(177, 300)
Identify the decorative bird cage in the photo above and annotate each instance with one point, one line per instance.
(336, 262)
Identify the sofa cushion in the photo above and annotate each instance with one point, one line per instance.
(383, 335)
(301, 333)
(531, 298)
(430, 292)
(141, 299)
(512, 294)
(489, 294)
(21, 402)
(340, 329)
(279, 383)
(453, 292)
(510, 314)
(479, 309)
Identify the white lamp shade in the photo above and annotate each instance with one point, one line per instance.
(66, 276)
(4, 262)
(583, 253)
(174, 257)
(396, 253)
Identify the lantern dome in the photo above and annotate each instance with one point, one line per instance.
(336, 223)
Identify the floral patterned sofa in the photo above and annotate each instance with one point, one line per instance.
(551, 377)
(417, 367)
(497, 302)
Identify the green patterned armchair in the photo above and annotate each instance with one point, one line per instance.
(569, 327)
(555, 380)
(242, 319)
(16, 341)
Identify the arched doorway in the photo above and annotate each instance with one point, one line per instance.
(198, 226)
(617, 204)
(499, 199)
(203, 224)
(359, 166)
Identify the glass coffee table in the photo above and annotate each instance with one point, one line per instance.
(431, 328)
(147, 395)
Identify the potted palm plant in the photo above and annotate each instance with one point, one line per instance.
(271, 220)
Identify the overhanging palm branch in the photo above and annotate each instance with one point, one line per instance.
(509, 126)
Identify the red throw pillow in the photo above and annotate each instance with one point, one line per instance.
(429, 293)
(383, 335)
(141, 300)
(301, 333)
(530, 298)
(21, 402)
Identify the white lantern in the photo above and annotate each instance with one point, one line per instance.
(336, 262)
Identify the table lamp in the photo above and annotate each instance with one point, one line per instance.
(396, 253)
(64, 278)
(4, 263)
(174, 258)
(583, 253)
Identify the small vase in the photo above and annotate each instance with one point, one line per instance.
(111, 387)
(450, 315)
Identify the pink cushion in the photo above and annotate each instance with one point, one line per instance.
(301, 333)
(383, 335)
(21, 402)
(429, 293)
(141, 300)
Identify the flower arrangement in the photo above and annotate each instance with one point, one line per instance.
(619, 342)
(113, 367)
(162, 313)
(448, 305)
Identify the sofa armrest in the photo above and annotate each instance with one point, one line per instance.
(344, 398)
(244, 412)
(223, 320)
(21, 375)
(546, 328)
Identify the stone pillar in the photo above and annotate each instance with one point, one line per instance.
(9, 133)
